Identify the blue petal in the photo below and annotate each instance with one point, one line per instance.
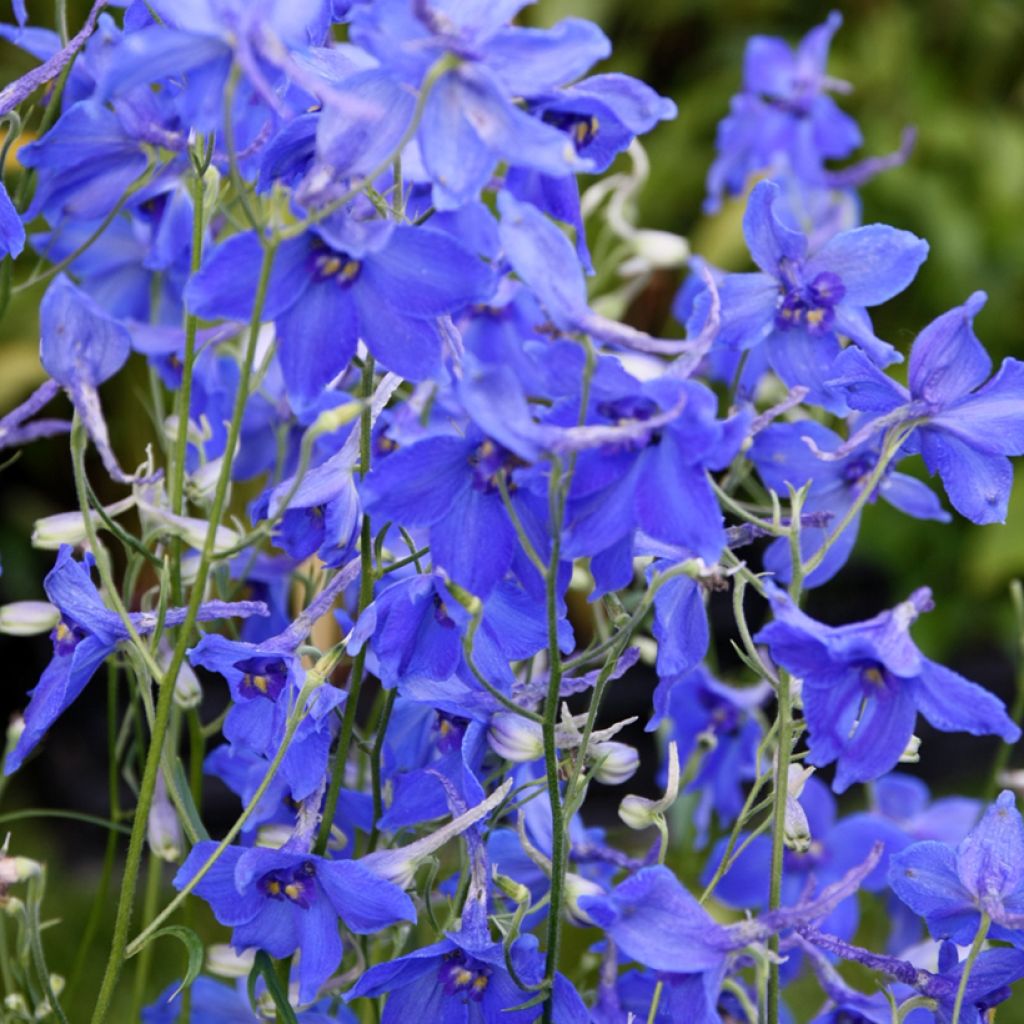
(321, 948)
(947, 360)
(426, 273)
(768, 66)
(978, 484)
(954, 704)
(990, 860)
(992, 419)
(863, 384)
(355, 138)
(874, 262)
(366, 902)
(475, 542)
(770, 242)
(79, 343)
(531, 61)
(316, 339)
(748, 309)
(412, 347)
(680, 626)
(913, 497)
(924, 877)
(544, 259)
(12, 231)
(418, 485)
(225, 285)
(800, 357)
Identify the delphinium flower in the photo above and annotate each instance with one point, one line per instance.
(951, 887)
(864, 684)
(967, 423)
(783, 457)
(799, 303)
(87, 634)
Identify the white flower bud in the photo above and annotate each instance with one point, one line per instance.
(163, 830)
(273, 837)
(575, 887)
(15, 727)
(223, 962)
(187, 691)
(796, 828)
(28, 618)
(661, 249)
(637, 812)
(50, 532)
(618, 762)
(515, 738)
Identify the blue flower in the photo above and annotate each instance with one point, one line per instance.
(951, 887)
(799, 303)
(286, 901)
(650, 475)
(463, 979)
(969, 424)
(784, 114)
(342, 282)
(470, 119)
(87, 633)
(782, 457)
(864, 684)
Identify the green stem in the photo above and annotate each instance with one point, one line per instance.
(355, 685)
(782, 753)
(551, 706)
(176, 487)
(165, 701)
(375, 766)
(979, 941)
(653, 1012)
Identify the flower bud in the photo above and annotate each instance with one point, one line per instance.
(187, 691)
(223, 962)
(637, 812)
(273, 837)
(17, 869)
(515, 738)
(15, 727)
(50, 532)
(28, 618)
(796, 827)
(163, 830)
(617, 762)
(575, 887)
(661, 249)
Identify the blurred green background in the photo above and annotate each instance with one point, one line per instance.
(953, 68)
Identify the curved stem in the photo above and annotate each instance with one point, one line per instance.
(979, 940)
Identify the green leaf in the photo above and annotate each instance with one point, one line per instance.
(192, 943)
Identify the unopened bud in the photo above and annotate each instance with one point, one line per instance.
(273, 837)
(16, 1003)
(28, 618)
(796, 828)
(637, 812)
(661, 249)
(515, 891)
(224, 962)
(617, 762)
(163, 830)
(17, 869)
(50, 532)
(575, 887)
(15, 727)
(515, 738)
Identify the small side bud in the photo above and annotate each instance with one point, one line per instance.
(515, 738)
(223, 962)
(28, 618)
(575, 887)
(796, 828)
(636, 812)
(163, 830)
(617, 762)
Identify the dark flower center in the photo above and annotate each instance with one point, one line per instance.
(462, 975)
(811, 306)
(581, 128)
(327, 265)
(488, 460)
(263, 677)
(66, 636)
(297, 885)
(450, 730)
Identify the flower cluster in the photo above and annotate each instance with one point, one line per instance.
(349, 243)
